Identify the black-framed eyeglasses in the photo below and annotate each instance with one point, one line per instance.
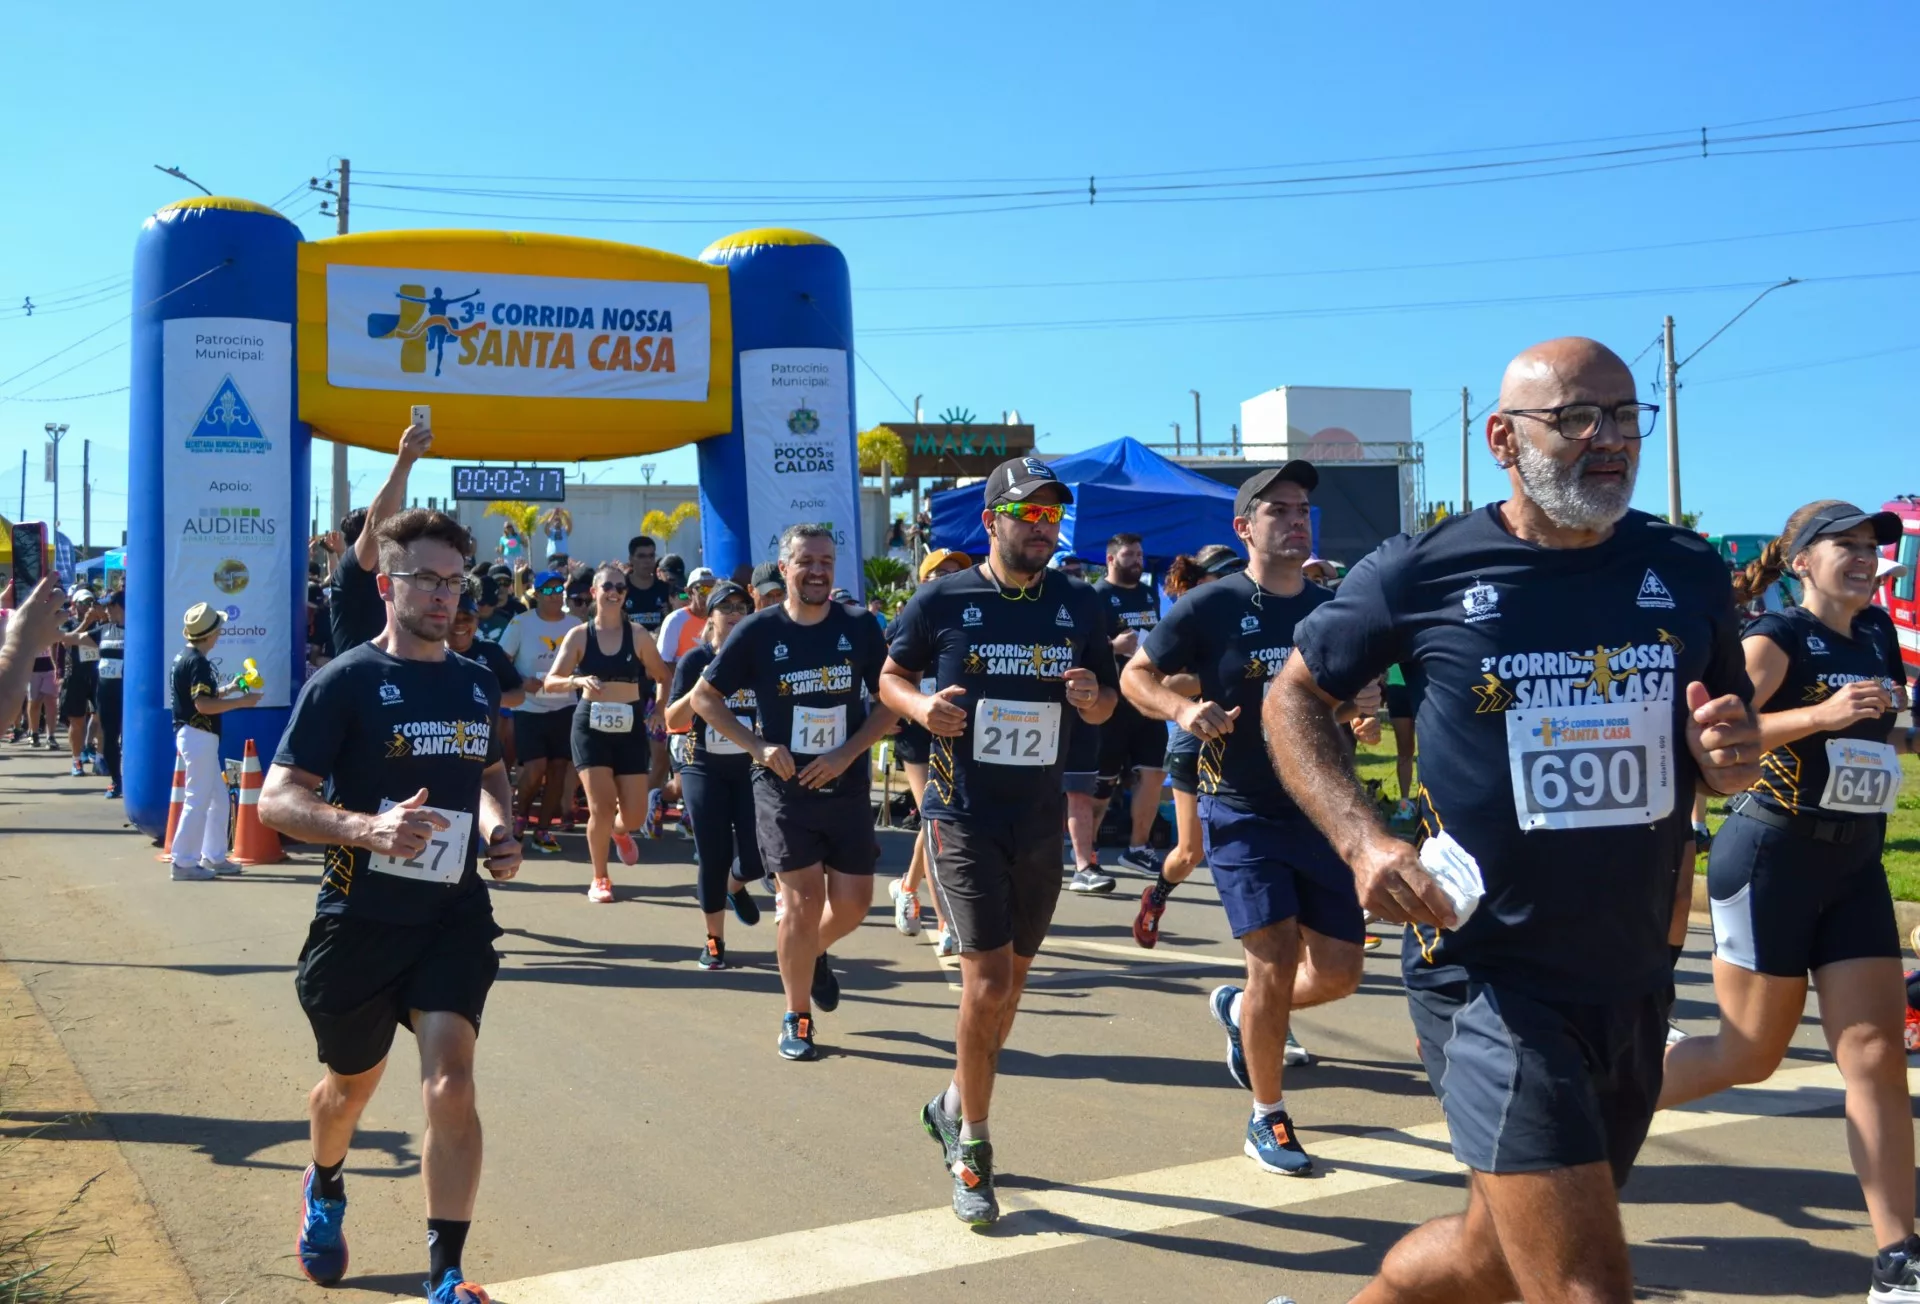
(428, 582)
(1582, 420)
(732, 608)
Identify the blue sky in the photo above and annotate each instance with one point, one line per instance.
(793, 102)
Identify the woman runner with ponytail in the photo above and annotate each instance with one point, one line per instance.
(1795, 874)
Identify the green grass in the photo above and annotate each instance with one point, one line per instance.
(1902, 854)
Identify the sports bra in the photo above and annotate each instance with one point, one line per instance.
(622, 667)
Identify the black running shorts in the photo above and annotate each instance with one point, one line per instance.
(1130, 741)
(77, 692)
(997, 877)
(1183, 769)
(1530, 1085)
(1785, 905)
(359, 979)
(624, 753)
(543, 735)
(799, 829)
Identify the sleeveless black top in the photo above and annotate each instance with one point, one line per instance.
(622, 667)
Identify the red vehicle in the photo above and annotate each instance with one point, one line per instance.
(1897, 595)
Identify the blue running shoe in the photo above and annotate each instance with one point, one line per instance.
(745, 908)
(796, 1038)
(455, 1289)
(1271, 1143)
(1221, 1003)
(322, 1247)
(943, 1127)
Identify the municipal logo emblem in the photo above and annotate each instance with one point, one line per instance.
(1249, 623)
(779, 651)
(1482, 602)
(1063, 617)
(479, 695)
(227, 424)
(844, 645)
(803, 420)
(1816, 645)
(1114, 598)
(1653, 593)
(970, 616)
(389, 694)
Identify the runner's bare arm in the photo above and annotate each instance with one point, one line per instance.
(290, 803)
(392, 496)
(1152, 692)
(1304, 742)
(1091, 698)
(560, 674)
(656, 665)
(939, 713)
(678, 714)
(1767, 664)
(496, 823)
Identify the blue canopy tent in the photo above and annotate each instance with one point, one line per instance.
(1118, 487)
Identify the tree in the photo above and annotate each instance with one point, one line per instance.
(878, 445)
(663, 525)
(523, 515)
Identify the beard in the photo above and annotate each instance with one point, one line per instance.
(421, 624)
(1563, 492)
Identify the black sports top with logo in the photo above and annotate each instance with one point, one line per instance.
(192, 676)
(1795, 777)
(621, 667)
(1235, 636)
(648, 605)
(378, 729)
(1552, 733)
(1011, 655)
(1137, 608)
(807, 681)
(707, 751)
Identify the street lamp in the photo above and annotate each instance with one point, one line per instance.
(177, 174)
(56, 431)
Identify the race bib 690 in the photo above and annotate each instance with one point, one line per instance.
(1585, 767)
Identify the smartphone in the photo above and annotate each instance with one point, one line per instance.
(422, 416)
(29, 558)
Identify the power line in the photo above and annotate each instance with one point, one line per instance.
(223, 263)
(111, 348)
(1804, 366)
(70, 398)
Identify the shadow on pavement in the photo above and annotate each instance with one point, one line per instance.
(229, 1142)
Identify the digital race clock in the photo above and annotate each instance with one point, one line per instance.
(534, 484)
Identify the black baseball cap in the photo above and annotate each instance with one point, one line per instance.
(724, 590)
(766, 578)
(1838, 518)
(468, 604)
(1296, 471)
(1016, 479)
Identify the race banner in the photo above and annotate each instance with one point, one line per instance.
(227, 417)
(424, 331)
(798, 434)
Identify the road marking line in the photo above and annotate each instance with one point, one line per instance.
(1137, 952)
(797, 1264)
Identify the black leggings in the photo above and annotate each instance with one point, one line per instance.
(107, 705)
(720, 809)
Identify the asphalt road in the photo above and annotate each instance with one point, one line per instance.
(644, 1142)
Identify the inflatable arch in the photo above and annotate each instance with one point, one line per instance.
(249, 340)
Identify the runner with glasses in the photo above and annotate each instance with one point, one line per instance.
(1018, 654)
(1795, 878)
(615, 667)
(716, 781)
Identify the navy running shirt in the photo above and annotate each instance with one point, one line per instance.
(810, 682)
(356, 612)
(648, 606)
(1134, 609)
(1011, 655)
(707, 750)
(192, 676)
(380, 728)
(1552, 733)
(1235, 636)
(1820, 662)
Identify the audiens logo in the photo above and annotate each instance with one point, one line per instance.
(239, 524)
(227, 424)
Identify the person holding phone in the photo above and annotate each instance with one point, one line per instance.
(199, 849)
(391, 761)
(28, 627)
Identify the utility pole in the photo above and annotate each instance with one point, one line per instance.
(1466, 442)
(56, 430)
(1198, 445)
(23, 486)
(1673, 429)
(86, 495)
(341, 505)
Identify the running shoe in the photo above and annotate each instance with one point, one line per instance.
(114, 794)
(1221, 1003)
(1142, 860)
(224, 868)
(779, 906)
(1372, 943)
(1896, 1276)
(545, 843)
(1675, 1033)
(600, 891)
(14, 735)
(77, 771)
(1702, 839)
(826, 987)
(941, 1126)
(625, 847)
(192, 872)
(1403, 812)
(1296, 1055)
(321, 1249)
(945, 943)
(1913, 1030)
(972, 1168)
(454, 1288)
(1272, 1144)
(1088, 878)
(796, 1038)
(745, 908)
(54, 744)
(656, 812)
(713, 955)
(520, 828)
(1146, 921)
(906, 909)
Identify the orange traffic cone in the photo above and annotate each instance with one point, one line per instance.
(253, 842)
(174, 804)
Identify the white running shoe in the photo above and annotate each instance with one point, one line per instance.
(945, 943)
(192, 872)
(601, 893)
(906, 909)
(224, 868)
(1296, 1054)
